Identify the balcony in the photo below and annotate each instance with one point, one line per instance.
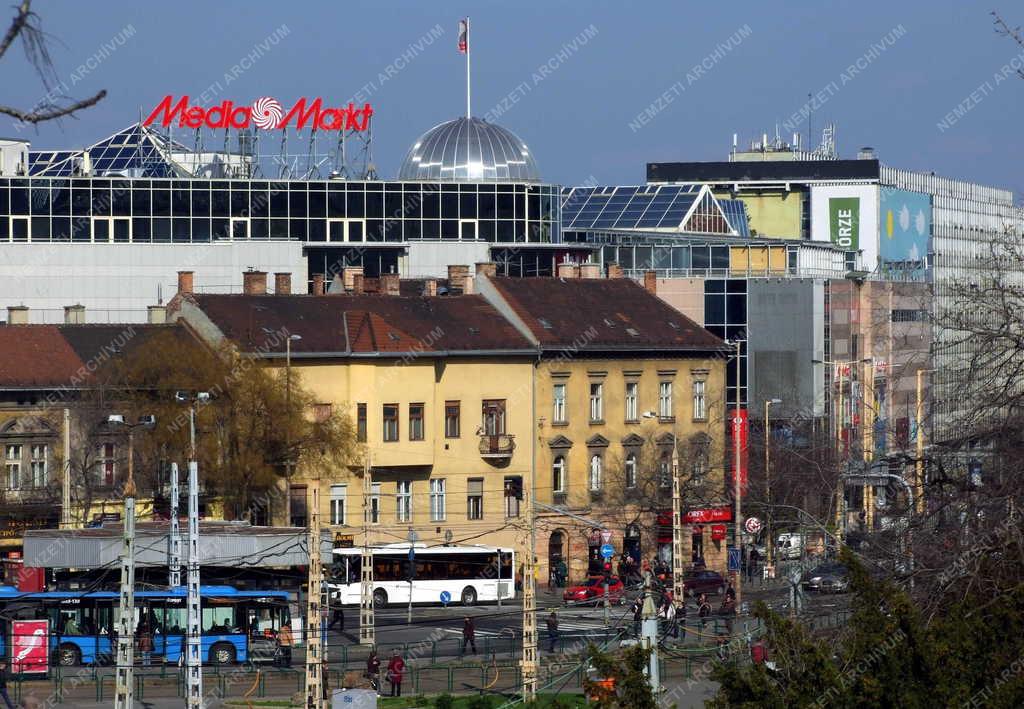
(497, 447)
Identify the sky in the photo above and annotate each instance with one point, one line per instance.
(596, 89)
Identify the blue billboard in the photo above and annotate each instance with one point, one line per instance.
(906, 227)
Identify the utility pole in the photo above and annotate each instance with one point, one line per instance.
(288, 430)
(529, 661)
(193, 648)
(366, 627)
(737, 421)
(65, 482)
(412, 571)
(316, 653)
(678, 591)
(174, 539)
(919, 462)
(649, 635)
(124, 695)
(768, 475)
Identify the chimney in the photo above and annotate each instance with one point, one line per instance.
(17, 315)
(254, 283)
(74, 314)
(651, 282)
(358, 283)
(156, 314)
(390, 284)
(590, 270)
(348, 276)
(430, 287)
(615, 271)
(568, 270)
(487, 268)
(282, 283)
(185, 279)
(318, 284)
(457, 275)
(467, 286)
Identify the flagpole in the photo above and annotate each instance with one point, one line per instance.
(469, 113)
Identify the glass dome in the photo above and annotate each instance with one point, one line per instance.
(469, 149)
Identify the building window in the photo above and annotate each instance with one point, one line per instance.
(630, 470)
(298, 506)
(558, 474)
(494, 417)
(322, 412)
(452, 419)
(511, 501)
(403, 500)
(339, 496)
(558, 414)
(437, 500)
(475, 499)
(596, 402)
(415, 422)
(700, 411)
(361, 423)
(107, 463)
(12, 465)
(38, 462)
(373, 511)
(390, 422)
(665, 400)
(596, 465)
(632, 401)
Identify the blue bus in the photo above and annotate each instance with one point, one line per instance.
(237, 626)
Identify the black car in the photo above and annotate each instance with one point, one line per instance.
(827, 578)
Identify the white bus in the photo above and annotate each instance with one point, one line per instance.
(443, 574)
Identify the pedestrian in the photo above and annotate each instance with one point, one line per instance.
(668, 613)
(145, 644)
(562, 573)
(396, 668)
(284, 644)
(3, 685)
(728, 611)
(638, 609)
(703, 611)
(730, 592)
(373, 670)
(325, 679)
(680, 626)
(468, 636)
(552, 624)
(752, 564)
(337, 616)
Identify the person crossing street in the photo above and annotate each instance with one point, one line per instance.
(468, 636)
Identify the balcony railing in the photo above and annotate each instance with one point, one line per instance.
(498, 445)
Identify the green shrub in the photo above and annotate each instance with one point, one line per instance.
(444, 701)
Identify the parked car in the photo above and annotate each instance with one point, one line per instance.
(592, 590)
(698, 581)
(827, 578)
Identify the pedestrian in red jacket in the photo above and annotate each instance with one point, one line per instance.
(396, 668)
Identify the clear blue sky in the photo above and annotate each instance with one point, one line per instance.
(577, 118)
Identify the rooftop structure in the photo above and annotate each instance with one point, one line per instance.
(469, 149)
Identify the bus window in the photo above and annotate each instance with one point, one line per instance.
(174, 621)
(355, 565)
(218, 619)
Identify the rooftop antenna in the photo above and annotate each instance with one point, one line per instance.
(282, 156)
(464, 48)
(810, 115)
(340, 159)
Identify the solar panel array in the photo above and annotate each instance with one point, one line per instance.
(642, 207)
(736, 212)
(134, 151)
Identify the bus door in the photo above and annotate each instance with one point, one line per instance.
(169, 640)
(80, 631)
(222, 641)
(262, 621)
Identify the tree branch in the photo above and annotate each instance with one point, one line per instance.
(17, 25)
(50, 114)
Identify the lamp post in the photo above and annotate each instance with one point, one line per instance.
(288, 430)
(737, 421)
(768, 475)
(919, 458)
(125, 679)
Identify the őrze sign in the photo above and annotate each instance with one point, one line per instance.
(265, 113)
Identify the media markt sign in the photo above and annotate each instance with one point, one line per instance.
(844, 222)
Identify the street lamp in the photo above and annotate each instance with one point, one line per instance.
(737, 421)
(919, 462)
(125, 679)
(288, 430)
(768, 475)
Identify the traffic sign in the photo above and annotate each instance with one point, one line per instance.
(606, 536)
(445, 597)
(734, 559)
(752, 525)
(607, 551)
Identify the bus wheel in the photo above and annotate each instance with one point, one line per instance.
(222, 654)
(469, 596)
(69, 655)
(380, 598)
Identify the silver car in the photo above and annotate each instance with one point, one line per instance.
(827, 578)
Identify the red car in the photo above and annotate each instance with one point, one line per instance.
(593, 591)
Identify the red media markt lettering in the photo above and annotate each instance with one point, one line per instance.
(265, 113)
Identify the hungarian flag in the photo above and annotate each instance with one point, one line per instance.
(463, 36)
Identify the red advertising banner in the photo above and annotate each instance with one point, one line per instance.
(711, 514)
(30, 640)
(740, 430)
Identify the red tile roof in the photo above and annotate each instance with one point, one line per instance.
(362, 324)
(595, 314)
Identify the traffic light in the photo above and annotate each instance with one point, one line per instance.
(514, 488)
(607, 567)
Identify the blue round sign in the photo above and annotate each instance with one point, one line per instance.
(607, 551)
(445, 597)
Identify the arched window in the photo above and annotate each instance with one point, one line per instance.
(631, 470)
(558, 474)
(595, 472)
(665, 470)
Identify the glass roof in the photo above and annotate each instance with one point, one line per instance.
(136, 151)
(736, 212)
(634, 207)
